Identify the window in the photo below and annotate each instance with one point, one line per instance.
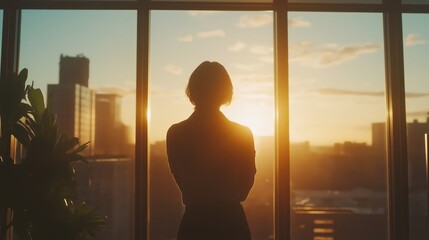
(337, 114)
(246, 51)
(326, 73)
(416, 85)
(86, 70)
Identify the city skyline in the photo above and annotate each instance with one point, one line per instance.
(340, 65)
(86, 114)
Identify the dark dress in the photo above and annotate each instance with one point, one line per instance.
(213, 162)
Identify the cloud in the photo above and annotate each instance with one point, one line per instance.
(254, 21)
(260, 49)
(238, 46)
(200, 13)
(185, 38)
(345, 92)
(173, 69)
(413, 39)
(322, 56)
(416, 95)
(204, 34)
(298, 23)
(213, 33)
(418, 114)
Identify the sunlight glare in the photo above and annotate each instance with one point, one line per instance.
(258, 118)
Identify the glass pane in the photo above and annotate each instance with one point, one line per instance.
(243, 43)
(337, 114)
(338, 1)
(86, 71)
(416, 50)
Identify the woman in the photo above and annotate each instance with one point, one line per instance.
(212, 160)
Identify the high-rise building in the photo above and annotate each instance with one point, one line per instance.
(416, 153)
(74, 70)
(111, 135)
(415, 149)
(72, 101)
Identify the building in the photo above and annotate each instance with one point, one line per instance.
(107, 186)
(415, 150)
(72, 101)
(111, 135)
(416, 153)
(74, 70)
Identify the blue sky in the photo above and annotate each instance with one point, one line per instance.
(336, 64)
(107, 38)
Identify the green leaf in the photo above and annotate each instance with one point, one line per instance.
(81, 147)
(22, 76)
(74, 157)
(45, 177)
(31, 125)
(35, 97)
(24, 109)
(21, 133)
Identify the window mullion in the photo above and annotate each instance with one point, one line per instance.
(142, 152)
(10, 43)
(9, 60)
(282, 169)
(396, 126)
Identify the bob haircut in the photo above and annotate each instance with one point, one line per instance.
(209, 85)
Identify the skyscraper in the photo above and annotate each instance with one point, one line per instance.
(415, 150)
(416, 153)
(74, 70)
(111, 135)
(72, 101)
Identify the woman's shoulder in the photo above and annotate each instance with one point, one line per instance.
(240, 129)
(178, 127)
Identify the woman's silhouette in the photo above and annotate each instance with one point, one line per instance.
(212, 160)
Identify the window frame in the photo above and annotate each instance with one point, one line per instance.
(392, 11)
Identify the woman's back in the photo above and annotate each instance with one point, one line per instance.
(211, 158)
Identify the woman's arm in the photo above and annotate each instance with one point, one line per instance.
(248, 169)
(174, 155)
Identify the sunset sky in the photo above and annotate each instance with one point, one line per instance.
(336, 65)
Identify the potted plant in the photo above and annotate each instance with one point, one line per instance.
(39, 189)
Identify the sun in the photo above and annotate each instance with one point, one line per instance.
(259, 118)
